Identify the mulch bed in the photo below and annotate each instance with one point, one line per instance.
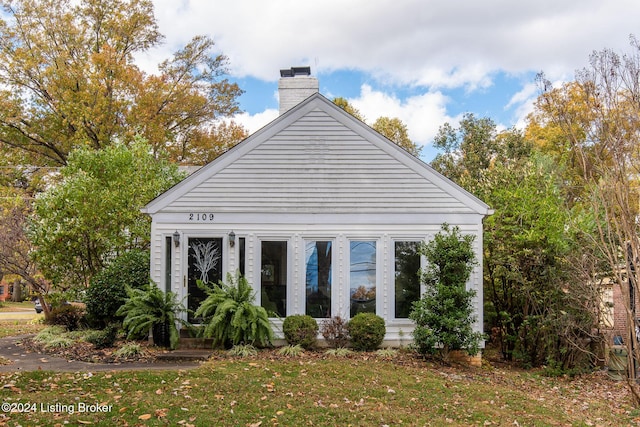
(86, 352)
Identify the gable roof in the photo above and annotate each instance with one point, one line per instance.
(317, 158)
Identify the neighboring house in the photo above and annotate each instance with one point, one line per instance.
(5, 291)
(322, 214)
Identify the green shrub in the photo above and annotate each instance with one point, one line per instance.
(129, 350)
(367, 331)
(59, 342)
(150, 308)
(388, 353)
(291, 350)
(335, 332)
(107, 289)
(48, 334)
(67, 315)
(243, 350)
(230, 317)
(300, 329)
(104, 338)
(339, 352)
(444, 315)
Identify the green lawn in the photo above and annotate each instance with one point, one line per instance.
(364, 390)
(9, 306)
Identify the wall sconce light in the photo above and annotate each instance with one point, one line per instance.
(176, 238)
(232, 239)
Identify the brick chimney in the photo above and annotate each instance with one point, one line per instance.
(295, 85)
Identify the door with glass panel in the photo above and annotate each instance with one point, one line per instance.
(204, 265)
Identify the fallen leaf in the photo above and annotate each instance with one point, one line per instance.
(144, 417)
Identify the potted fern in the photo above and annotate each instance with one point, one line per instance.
(230, 317)
(151, 309)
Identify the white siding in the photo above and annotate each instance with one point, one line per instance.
(318, 165)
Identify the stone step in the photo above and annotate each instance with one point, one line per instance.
(184, 355)
(195, 343)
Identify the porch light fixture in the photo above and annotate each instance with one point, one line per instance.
(176, 238)
(232, 239)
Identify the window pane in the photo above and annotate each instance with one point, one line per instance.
(274, 278)
(167, 263)
(362, 277)
(318, 279)
(242, 244)
(407, 279)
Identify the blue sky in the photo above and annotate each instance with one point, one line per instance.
(426, 62)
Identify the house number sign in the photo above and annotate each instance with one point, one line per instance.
(202, 217)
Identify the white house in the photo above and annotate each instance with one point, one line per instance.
(321, 213)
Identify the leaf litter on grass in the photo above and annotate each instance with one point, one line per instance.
(359, 390)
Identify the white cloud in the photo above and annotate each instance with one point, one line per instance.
(423, 114)
(523, 101)
(256, 121)
(437, 43)
(429, 46)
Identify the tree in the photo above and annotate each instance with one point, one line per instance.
(396, 131)
(444, 314)
(93, 212)
(344, 104)
(15, 248)
(69, 80)
(392, 128)
(467, 151)
(599, 116)
(538, 307)
(199, 150)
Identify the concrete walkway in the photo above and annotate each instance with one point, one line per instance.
(24, 360)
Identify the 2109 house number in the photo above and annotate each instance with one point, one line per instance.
(201, 217)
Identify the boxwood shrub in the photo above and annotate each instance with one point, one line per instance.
(300, 329)
(367, 330)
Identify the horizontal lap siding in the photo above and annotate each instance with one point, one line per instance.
(318, 165)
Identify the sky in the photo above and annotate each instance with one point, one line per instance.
(427, 62)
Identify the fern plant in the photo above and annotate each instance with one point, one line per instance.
(151, 308)
(230, 317)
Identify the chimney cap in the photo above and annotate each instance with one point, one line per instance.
(295, 71)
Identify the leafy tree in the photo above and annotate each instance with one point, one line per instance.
(467, 151)
(444, 314)
(93, 212)
(392, 128)
(529, 282)
(540, 310)
(69, 80)
(199, 149)
(396, 131)
(15, 248)
(344, 104)
(598, 116)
